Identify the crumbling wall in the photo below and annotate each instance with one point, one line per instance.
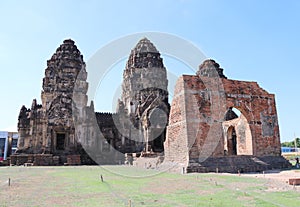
(176, 144)
(198, 113)
(259, 108)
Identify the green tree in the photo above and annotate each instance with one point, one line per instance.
(291, 143)
(298, 142)
(286, 144)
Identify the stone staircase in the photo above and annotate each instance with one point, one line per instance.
(241, 163)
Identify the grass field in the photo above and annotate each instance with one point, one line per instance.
(82, 186)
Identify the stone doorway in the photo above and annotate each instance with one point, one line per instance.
(231, 141)
(60, 141)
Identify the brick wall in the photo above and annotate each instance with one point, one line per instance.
(197, 113)
(176, 146)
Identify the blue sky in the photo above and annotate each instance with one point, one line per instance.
(252, 40)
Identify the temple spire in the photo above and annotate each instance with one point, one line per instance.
(144, 55)
(145, 46)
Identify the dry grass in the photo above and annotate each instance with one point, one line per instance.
(82, 186)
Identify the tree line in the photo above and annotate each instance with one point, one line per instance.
(291, 143)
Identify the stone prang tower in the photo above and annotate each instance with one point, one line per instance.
(49, 128)
(145, 97)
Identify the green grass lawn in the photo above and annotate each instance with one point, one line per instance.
(82, 186)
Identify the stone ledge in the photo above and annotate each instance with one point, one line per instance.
(238, 164)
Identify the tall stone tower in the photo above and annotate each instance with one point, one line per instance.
(145, 97)
(49, 128)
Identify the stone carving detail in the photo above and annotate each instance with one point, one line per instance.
(24, 120)
(144, 55)
(60, 112)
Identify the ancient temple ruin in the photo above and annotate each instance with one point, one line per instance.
(200, 132)
(205, 134)
(65, 126)
(48, 129)
(145, 97)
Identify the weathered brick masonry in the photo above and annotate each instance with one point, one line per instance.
(197, 127)
(203, 133)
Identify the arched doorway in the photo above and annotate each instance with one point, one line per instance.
(237, 133)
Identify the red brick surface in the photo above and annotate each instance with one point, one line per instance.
(197, 113)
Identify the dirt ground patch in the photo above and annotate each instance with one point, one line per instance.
(276, 180)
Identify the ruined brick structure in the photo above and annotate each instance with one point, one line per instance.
(200, 132)
(204, 133)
